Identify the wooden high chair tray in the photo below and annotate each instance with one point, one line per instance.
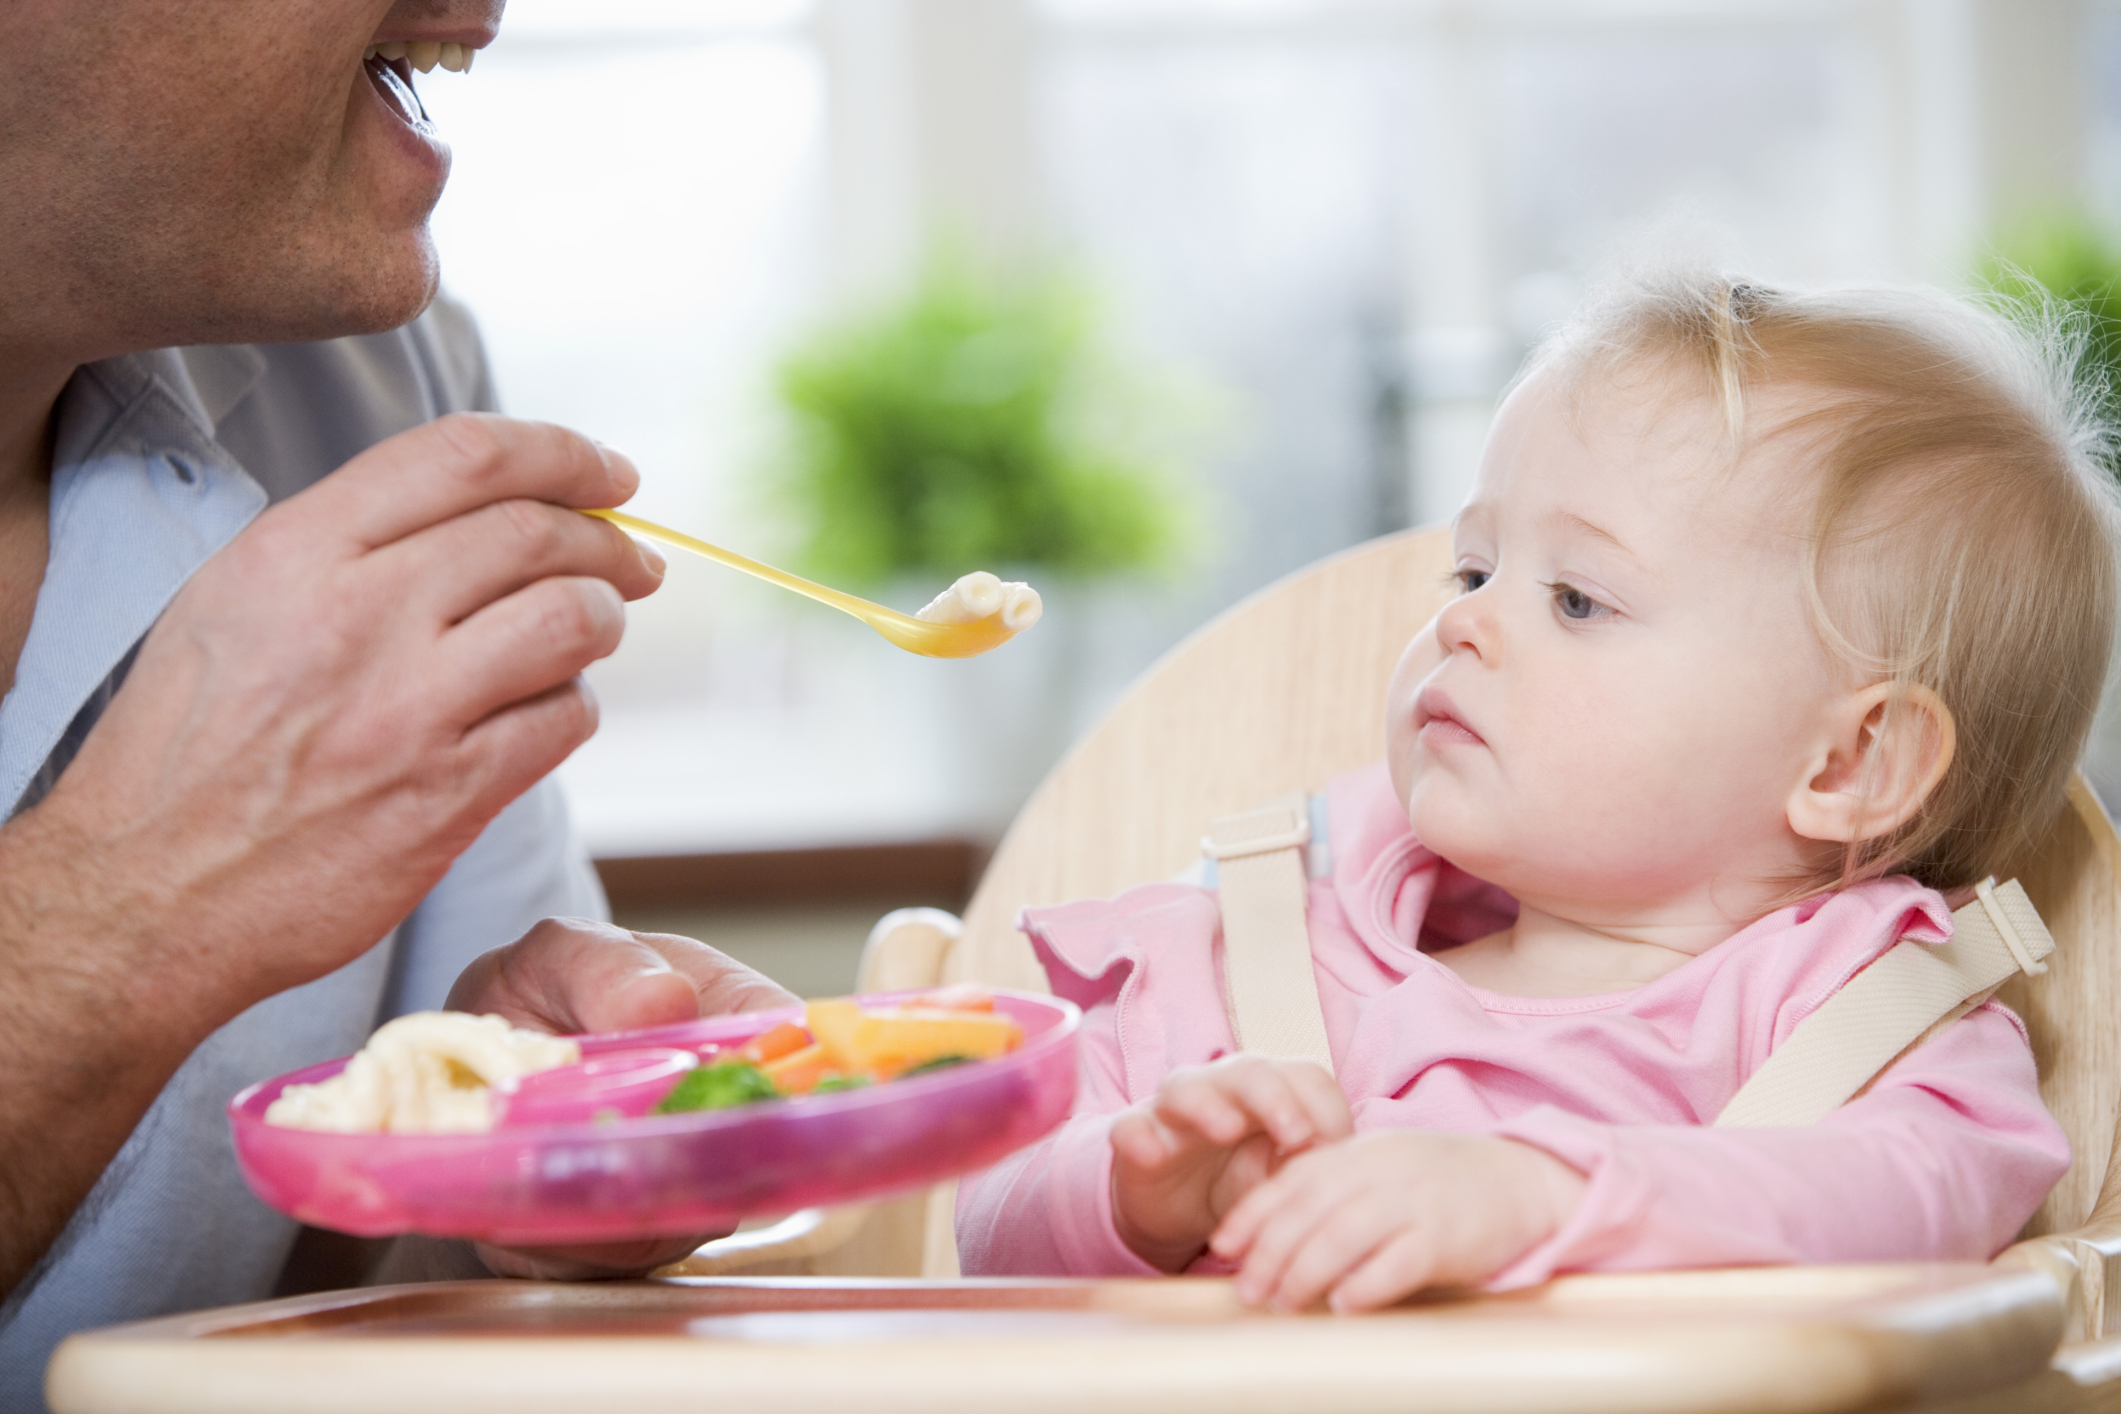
(1782, 1339)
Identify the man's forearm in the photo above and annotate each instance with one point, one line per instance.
(90, 1029)
(325, 715)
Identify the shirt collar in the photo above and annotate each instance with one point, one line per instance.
(141, 496)
(212, 380)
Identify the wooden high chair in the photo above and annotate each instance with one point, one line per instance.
(1279, 693)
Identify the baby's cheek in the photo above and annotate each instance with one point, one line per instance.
(1421, 657)
(1400, 759)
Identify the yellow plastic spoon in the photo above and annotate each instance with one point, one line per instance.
(930, 640)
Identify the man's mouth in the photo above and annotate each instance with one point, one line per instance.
(390, 68)
(424, 55)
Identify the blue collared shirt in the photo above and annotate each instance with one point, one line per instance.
(159, 460)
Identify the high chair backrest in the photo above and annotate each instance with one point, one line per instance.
(1288, 688)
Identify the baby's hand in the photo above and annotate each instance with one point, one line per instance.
(1183, 1159)
(1381, 1216)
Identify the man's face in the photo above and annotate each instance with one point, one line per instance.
(198, 171)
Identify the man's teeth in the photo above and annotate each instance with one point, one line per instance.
(424, 55)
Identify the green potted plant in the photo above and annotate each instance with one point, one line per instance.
(981, 421)
(976, 422)
(2064, 256)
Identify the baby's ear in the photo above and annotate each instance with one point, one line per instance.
(1887, 749)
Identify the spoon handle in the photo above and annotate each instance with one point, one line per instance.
(847, 603)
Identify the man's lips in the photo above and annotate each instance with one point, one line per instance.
(394, 83)
(1440, 723)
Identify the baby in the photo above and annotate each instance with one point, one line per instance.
(1780, 620)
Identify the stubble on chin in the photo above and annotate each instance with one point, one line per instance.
(301, 300)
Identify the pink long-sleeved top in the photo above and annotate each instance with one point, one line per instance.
(1944, 1157)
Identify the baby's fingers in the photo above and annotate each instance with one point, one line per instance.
(1242, 1225)
(1272, 1223)
(1140, 1140)
(1340, 1243)
(1200, 1100)
(1324, 1102)
(1400, 1266)
(1240, 1094)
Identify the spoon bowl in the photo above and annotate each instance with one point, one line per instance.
(915, 635)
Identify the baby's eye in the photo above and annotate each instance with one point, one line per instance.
(1470, 580)
(1575, 604)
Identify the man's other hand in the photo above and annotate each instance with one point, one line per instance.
(569, 975)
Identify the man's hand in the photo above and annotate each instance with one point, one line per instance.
(325, 716)
(568, 975)
(1212, 1133)
(1381, 1216)
(338, 702)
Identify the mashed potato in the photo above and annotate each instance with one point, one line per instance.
(432, 1072)
(980, 595)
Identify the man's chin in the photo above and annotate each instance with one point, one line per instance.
(389, 295)
(385, 295)
(393, 313)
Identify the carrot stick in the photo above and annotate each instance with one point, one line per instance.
(784, 1039)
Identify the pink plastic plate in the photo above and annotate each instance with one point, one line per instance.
(547, 1175)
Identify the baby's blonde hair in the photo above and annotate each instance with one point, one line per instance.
(1961, 536)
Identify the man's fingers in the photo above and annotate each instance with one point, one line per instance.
(570, 975)
(527, 644)
(469, 561)
(513, 749)
(721, 983)
(460, 463)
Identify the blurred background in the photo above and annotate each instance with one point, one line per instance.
(1147, 301)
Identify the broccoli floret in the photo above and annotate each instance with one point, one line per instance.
(717, 1087)
(834, 1081)
(939, 1063)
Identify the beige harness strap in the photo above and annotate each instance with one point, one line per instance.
(1259, 865)
(1896, 1003)
(1889, 1007)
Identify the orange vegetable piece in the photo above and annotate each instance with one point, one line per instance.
(835, 1024)
(888, 1040)
(798, 1072)
(784, 1039)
